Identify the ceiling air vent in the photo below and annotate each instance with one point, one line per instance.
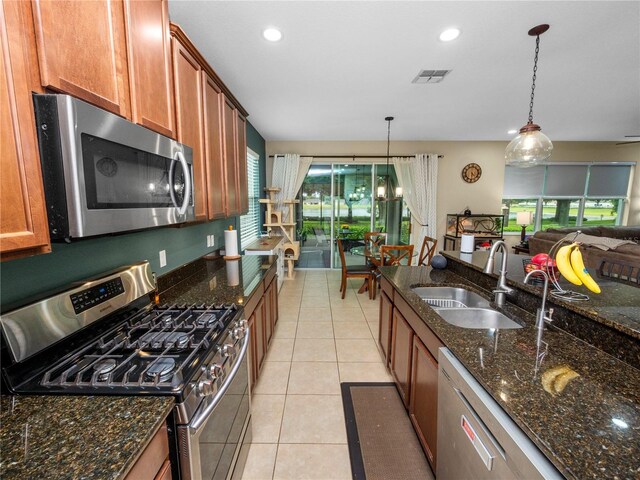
(430, 76)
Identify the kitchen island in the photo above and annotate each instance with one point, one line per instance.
(589, 430)
(64, 436)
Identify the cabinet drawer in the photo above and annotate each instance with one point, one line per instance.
(386, 287)
(425, 334)
(252, 302)
(152, 459)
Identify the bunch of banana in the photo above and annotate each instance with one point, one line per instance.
(556, 379)
(571, 266)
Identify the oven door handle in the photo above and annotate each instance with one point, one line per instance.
(199, 422)
(187, 183)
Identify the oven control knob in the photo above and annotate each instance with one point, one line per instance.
(215, 371)
(228, 350)
(238, 333)
(205, 387)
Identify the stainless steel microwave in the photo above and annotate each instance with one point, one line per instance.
(103, 174)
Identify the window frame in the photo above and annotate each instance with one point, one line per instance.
(251, 220)
(581, 198)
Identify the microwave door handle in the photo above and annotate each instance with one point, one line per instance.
(198, 423)
(187, 183)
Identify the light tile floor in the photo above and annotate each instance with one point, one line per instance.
(320, 340)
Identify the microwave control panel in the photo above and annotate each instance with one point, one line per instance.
(96, 295)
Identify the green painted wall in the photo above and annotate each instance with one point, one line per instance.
(67, 263)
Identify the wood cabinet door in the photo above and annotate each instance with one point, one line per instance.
(243, 189)
(261, 348)
(401, 346)
(274, 292)
(23, 218)
(423, 405)
(81, 51)
(149, 60)
(230, 158)
(253, 345)
(384, 332)
(268, 312)
(187, 78)
(214, 155)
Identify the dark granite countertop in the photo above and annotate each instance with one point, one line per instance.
(618, 306)
(71, 437)
(216, 282)
(590, 430)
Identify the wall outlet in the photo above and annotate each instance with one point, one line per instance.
(163, 258)
(208, 240)
(213, 240)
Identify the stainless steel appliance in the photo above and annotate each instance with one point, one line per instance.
(104, 174)
(476, 438)
(106, 337)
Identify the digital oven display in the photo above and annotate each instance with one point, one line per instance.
(96, 295)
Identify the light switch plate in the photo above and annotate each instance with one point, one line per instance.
(163, 258)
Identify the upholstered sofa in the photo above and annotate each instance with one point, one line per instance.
(542, 241)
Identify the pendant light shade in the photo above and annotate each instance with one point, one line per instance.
(531, 147)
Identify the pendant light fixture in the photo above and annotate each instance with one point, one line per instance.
(531, 147)
(382, 191)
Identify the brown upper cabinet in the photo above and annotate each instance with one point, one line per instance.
(82, 51)
(213, 99)
(187, 78)
(149, 59)
(217, 129)
(241, 138)
(23, 220)
(231, 158)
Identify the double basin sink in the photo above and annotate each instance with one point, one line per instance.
(463, 308)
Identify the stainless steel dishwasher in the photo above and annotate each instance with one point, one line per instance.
(476, 438)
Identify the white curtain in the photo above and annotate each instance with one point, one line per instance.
(289, 172)
(418, 178)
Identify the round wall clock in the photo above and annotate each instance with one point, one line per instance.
(471, 173)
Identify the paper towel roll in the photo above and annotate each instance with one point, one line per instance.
(233, 272)
(231, 243)
(467, 244)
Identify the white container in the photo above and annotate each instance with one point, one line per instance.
(467, 244)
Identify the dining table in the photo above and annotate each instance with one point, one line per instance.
(372, 255)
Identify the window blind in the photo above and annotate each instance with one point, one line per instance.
(250, 222)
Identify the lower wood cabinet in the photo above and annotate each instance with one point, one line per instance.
(401, 349)
(423, 404)
(260, 338)
(261, 311)
(412, 350)
(154, 463)
(384, 334)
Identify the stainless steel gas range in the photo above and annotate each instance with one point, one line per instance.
(106, 337)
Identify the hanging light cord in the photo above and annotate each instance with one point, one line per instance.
(388, 141)
(533, 84)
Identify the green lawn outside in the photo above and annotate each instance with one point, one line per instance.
(592, 216)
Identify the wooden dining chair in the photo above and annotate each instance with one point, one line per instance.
(372, 243)
(427, 251)
(396, 254)
(355, 271)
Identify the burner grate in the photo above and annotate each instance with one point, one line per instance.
(153, 348)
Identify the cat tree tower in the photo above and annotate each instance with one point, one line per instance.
(285, 223)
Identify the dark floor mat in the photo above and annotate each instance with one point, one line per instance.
(382, 442)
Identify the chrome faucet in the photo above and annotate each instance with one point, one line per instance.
(501, 290)
(541, 314)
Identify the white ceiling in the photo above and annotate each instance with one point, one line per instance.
(343, 66)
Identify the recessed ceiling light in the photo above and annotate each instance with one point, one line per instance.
(512, 131)
(272, 34)
(449, 34)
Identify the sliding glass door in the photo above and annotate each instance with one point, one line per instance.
(343, 201)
